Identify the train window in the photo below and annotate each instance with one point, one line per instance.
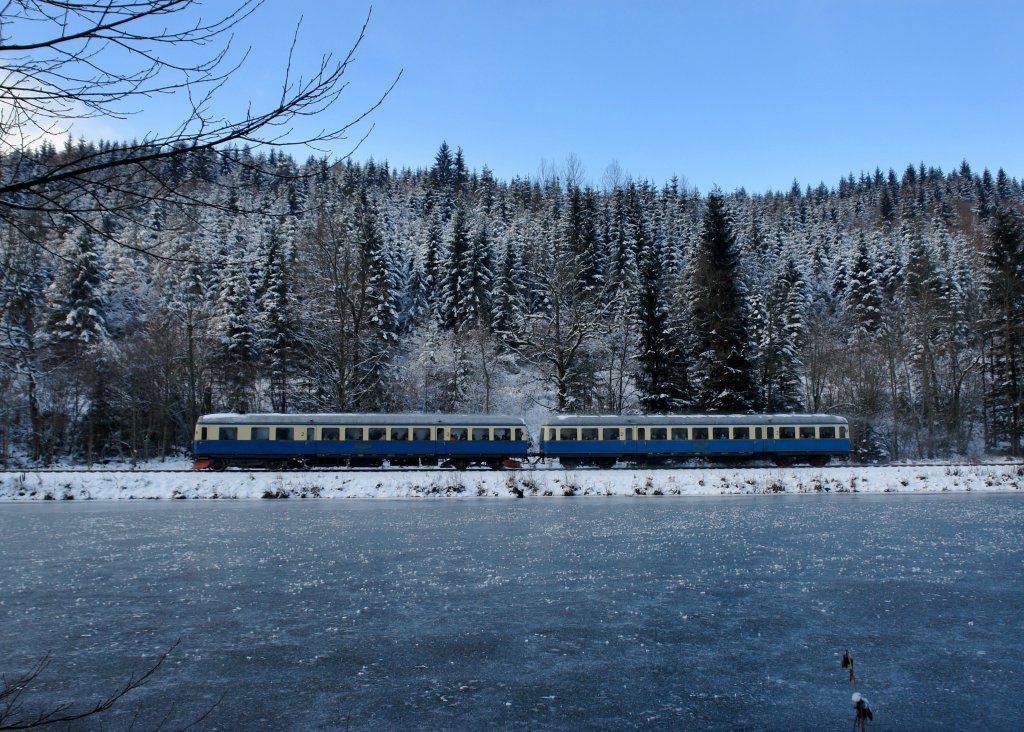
(770, 433)
(202, 434)
(757, 433)
(741, 433)
(421, 434)
(331, 434)
(719, 433)
(567, 433)
(458, 434)
(400, 434)
(282, 433)
(842, 433)
(552, 434)
(260, 433)
(440, 433)
(806, 433)
(659, 433)
(502, 434)
(641, 433)
(353, 433)
(589, 433)
(827, 433)
(519, 434)
(611, 433)
(227, 433)
(376, 433)
(700, 433)
(679, 433)
(787, 433)
(481, 434)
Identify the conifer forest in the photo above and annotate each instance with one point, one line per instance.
(895, 299)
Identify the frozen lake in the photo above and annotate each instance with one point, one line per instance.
(644, 613)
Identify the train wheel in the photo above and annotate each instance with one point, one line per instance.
(569, 463)
(218, 465)
(460, 463)
(783, 461)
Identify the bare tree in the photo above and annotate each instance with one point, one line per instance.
(68, 60)
(19, 711)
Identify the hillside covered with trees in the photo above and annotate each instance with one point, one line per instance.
(265, 284)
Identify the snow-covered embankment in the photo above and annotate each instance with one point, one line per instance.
(30, 485)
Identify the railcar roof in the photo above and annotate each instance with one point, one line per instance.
(613, 420)
(489, 420)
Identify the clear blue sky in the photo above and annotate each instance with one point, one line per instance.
(743, 93)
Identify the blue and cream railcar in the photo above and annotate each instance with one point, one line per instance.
(782, 438)
(280, 441)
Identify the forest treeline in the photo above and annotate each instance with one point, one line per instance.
(896, 300)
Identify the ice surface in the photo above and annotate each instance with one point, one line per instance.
(722, 613)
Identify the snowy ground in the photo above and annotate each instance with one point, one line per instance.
(115, 484)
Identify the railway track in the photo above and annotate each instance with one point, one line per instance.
(526, 468)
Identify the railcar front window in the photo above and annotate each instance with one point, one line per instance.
(679, 433)
(611, 433)
(827, 433)
(481, 434)
(228, 433)
(806, 433)
(282, 433)
(421, 434)
(720, 433)
(376, 433)
(400, 434)
(741, 433)
(659, 433)
(260, 433)
(787, 433)
(589, 433)
(567, 434)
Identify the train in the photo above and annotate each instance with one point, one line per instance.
(297, 441)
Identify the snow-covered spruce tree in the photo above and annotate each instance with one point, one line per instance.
(22, 309)
(509, 298)
(722, 375)
(276, 322)
(232, 329)
(456, 301)
(1004, 329)
(79, 335)
(780, 341)
(661, 361)
(77, 298)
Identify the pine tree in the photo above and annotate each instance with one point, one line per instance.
(662, 378)
(1004, 326)
(722, 374)
(863, 298)
(78, 311)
